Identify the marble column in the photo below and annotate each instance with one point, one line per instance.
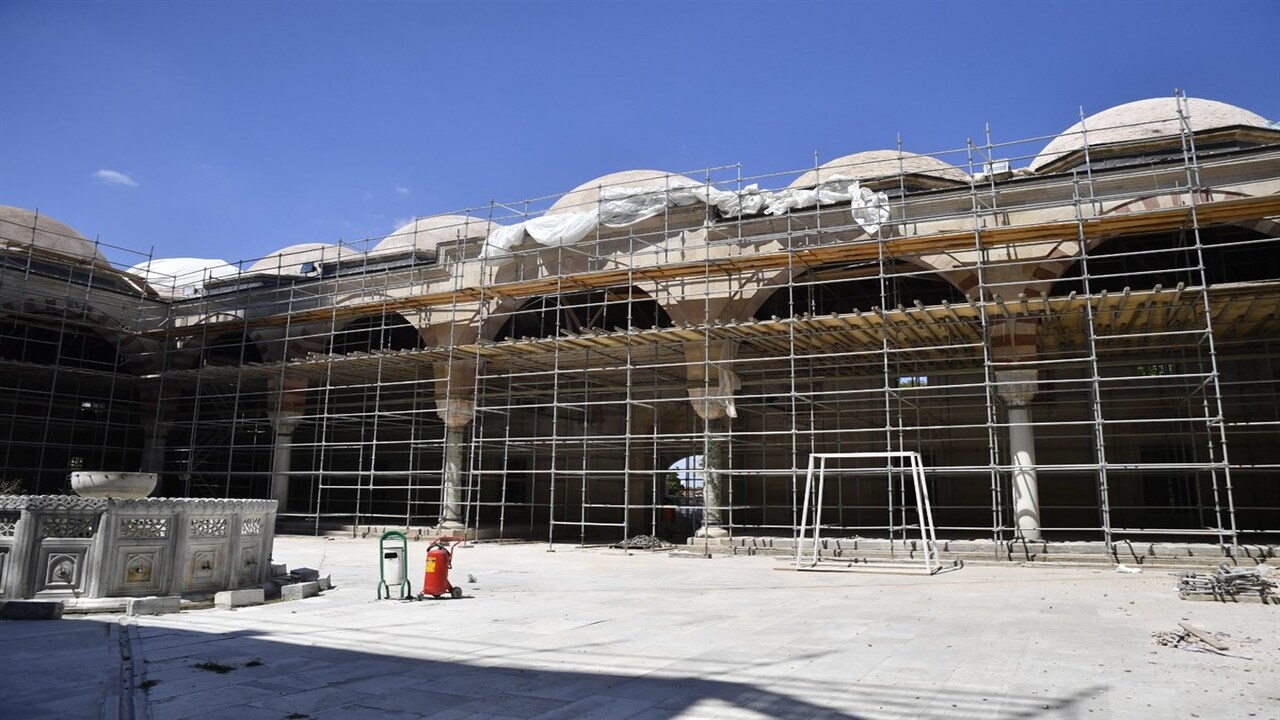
(716, 408)
(284, 422)
(286, 403)
(457, 413)
(1017, 388)
(153, 445)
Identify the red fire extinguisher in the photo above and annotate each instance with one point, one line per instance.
(435, 581)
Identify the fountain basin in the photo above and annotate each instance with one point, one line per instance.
(111, 484)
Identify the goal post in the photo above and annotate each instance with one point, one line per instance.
(823, 464)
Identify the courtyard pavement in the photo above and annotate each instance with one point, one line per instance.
(599, 633)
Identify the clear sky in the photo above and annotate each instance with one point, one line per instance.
(232, 129)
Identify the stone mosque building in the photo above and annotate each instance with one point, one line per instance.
(1077, 335)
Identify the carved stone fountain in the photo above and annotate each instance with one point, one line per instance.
(112, 541)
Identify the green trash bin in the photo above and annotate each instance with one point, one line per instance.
(393, 558)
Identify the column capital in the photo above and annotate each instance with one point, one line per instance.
(456, 412)
(284, 422)
(716, 401)
(1017, 387)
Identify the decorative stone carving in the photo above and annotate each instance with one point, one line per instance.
(151, 545)
(145, 527)
(248, 570)
(67, 527)
(1017, 387)
(208, 527)
(456, 412)
(138, 568)
(51, 502)
(204, 567)
(716, 402)
(62, 570)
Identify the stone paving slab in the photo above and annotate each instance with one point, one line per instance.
(597, 633)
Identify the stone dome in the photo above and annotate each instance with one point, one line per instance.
(428, 233)
(586, 197)
(1144, 120)
(293, 259)
(25, 227)
(880, 164)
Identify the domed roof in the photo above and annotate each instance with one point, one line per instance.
(290, 260)
(171, 277)
(586, 197)
(429, 232)
(877, 164)
(25, 227)
(1144, 120)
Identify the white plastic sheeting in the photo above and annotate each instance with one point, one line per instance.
(622, 206)
(179, 277)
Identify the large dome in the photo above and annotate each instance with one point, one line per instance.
(586, 197)
(25, 227)
(298, 259)
(880, 164)
(426, 234)
(1144, 120)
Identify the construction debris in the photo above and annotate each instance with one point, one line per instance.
(1228, 584)
(1194, 639)
(644, 542)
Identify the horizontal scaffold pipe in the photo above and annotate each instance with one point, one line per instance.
(1209, 213)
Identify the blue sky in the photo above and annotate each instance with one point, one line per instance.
(232, 129)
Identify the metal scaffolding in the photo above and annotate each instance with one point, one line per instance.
(1084, 350)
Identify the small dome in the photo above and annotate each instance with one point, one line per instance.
(586, 197)
(880, 164)
(295, 259)
(24, 227)
(1144, 120)
(426, 234)
(178, 277)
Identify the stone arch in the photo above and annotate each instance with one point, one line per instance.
(135, 356)
(605, 309)
(1061, 255)
(930, 287)
(369, 333)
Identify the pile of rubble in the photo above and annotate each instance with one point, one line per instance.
(644, 542)
(1190, 637)
(1231, 584)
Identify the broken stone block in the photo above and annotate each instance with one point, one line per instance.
(153, 605)
(229, 599)
(31, 610)
(304, 575)
(298, 591)
(326, 582)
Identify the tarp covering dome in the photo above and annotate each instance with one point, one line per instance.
(25, 227)
(179, 277)
(586, 197)
(301, 259)
(878, 164)
(426, 234)
(1144, 120)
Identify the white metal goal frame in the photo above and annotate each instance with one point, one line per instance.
(818, 465)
